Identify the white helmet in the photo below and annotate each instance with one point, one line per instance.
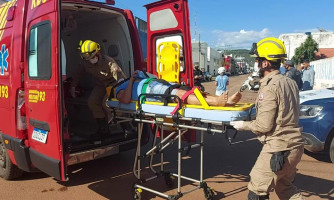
(221, 70)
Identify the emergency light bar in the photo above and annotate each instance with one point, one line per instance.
(110, 2)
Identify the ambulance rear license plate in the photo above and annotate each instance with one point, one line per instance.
(39, 135)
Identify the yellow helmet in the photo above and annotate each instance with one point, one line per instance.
(89, 49)
(270, 48)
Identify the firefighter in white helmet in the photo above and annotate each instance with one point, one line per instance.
(276, 126)
(106, 72)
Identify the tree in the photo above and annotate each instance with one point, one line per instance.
(306, 50)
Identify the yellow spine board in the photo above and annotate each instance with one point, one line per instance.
(168, 67)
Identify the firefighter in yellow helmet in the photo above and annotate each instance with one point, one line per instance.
(106, 72)
(276, 126)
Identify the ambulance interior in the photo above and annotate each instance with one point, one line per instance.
(110, 30)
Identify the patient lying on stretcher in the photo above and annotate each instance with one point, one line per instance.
(139, 83)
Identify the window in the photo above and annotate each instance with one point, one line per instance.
(163, 19)
(39, 53)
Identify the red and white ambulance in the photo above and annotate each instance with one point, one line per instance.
(40, 126)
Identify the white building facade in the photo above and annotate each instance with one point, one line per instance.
(324, 73)
(294, 40)
(209, 59)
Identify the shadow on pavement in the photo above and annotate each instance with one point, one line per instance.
(315, 188)
(226, 170)
(321, 156)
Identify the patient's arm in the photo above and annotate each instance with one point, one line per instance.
(124, 96)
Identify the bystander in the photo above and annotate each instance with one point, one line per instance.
(307, 76)
(293, 73)
(221, 81)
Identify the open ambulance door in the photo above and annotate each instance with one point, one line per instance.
(169, 53)
(42, 82)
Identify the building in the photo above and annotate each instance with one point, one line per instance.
(209, 59)
(142, 32)
(324, 73)
(324, 65)
(325, 53)
(324, 39)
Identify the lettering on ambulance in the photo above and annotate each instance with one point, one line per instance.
(3, 91)
(36, 3)
(36, 96)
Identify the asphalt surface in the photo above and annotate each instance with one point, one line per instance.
(226, 169)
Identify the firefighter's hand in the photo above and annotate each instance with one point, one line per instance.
(114, 67)
(238, 125)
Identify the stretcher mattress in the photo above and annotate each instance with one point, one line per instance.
(243, 111)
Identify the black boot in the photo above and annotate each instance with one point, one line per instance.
(253, 196)
(103, 129)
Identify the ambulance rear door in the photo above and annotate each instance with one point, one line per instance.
(169, 53)
(42, 87)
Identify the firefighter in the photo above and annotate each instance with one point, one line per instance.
(276, 126)
(106, 72)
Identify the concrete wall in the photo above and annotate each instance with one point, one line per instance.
(294, 40)
(209, 59)
(324, 73)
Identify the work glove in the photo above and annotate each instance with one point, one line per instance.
(277, 160)
(238, 125)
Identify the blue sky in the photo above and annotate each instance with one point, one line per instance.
(239, 23)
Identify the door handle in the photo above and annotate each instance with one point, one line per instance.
(39, 124)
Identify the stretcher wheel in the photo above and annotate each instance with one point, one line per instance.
(209, 193)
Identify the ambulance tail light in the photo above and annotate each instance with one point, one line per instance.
(21, 116)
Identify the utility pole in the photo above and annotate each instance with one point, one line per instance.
(199, 51)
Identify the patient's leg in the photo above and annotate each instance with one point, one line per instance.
(224, 100)
(235, 98)
(211, 100)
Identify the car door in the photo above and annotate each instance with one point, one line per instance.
(42, 87)
(169, 53)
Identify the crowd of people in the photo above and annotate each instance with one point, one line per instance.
(304, 76)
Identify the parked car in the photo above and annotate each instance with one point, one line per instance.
(317, 120)
(207, 76)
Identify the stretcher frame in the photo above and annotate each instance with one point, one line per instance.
(180, 124)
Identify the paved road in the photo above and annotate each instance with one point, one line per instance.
(226, 171)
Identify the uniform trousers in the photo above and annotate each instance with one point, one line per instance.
(95, 101)
(264, 180)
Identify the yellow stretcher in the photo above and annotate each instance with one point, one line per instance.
(202, 118)
(178, 122)
(214, 114)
